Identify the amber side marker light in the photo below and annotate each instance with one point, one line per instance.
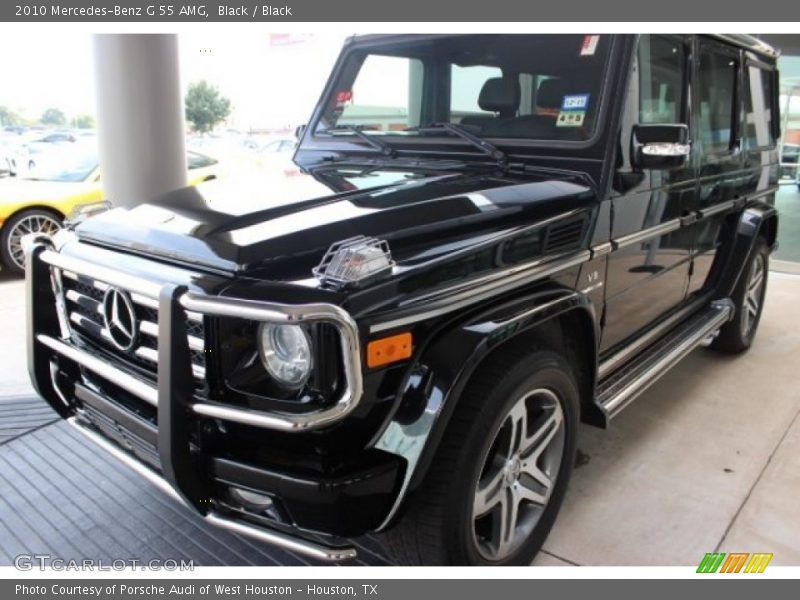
(388, 350)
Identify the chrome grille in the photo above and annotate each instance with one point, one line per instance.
(83, 302)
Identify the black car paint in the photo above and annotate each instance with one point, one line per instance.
(448, 226)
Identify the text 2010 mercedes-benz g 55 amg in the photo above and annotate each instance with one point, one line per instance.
(493, 238)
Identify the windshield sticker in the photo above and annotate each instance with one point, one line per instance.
(570, 118)
(575, 102)
(589, 45)
(343, 97)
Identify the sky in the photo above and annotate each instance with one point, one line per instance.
(273, 80)
(258, 72)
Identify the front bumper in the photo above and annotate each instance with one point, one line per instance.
(56, 367)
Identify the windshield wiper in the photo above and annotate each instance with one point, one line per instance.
(373, 141)
(477, 141)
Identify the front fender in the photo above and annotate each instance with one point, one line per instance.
(435, 383)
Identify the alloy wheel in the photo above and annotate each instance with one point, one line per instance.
(518, 474)
(33, 223)
(753, 295)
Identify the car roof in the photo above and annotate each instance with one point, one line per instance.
(748, 42)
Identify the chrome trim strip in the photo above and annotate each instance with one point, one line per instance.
(282, 540)
(663, 364)
(153, 303)
(761, 193)
(287, 542)
(151, 354)
(645, 234)
(151, 329)
(84, 300)
(138, 388)
(102, 275)
(458, 296)
(287, 313)
(717, 209)
(57, 284)
(601, 249)
(616, 359)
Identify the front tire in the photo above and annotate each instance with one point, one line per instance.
(501, 471)
(748, 298)
(27, 221)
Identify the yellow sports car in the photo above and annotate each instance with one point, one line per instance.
(39, 201)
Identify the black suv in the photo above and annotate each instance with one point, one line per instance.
(489, 239)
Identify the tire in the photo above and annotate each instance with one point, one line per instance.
(28, 221)
(737, 335)
(440, 526)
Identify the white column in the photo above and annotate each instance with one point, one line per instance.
(140, 119)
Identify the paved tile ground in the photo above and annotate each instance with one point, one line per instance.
(707, 459)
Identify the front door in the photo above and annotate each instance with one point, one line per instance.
(648, 270)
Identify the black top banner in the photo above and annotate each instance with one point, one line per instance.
(143, 11)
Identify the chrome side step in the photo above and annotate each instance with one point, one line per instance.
(625, 385)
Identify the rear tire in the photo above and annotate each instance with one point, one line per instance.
(737, 335)
(486, 498)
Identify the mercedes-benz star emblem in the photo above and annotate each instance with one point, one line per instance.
(119, 319)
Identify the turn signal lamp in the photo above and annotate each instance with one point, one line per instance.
(389, 349)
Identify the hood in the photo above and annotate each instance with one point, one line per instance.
(280, 226)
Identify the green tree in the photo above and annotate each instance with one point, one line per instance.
(8, 117)
(206, 107)
(83, 122)
(53, 116)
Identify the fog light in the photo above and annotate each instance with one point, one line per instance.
(252, 501)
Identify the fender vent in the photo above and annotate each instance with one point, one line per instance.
(565, 235)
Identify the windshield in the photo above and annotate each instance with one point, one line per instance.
(67, 166)
(538, 87)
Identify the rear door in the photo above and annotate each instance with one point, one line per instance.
(718, 150)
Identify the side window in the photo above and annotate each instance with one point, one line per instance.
(656, 93)
(717, 95)
(385, 95)
(758, 102)
(661, 66)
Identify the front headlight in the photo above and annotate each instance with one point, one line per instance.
(285, 351)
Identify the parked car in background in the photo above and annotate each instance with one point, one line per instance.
(57, 137)
(39, 201)
(281, 145)
(6, 157)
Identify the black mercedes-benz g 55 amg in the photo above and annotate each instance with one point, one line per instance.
(491, 239)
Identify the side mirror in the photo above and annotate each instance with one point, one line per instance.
(299, 131)
(660, 147)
